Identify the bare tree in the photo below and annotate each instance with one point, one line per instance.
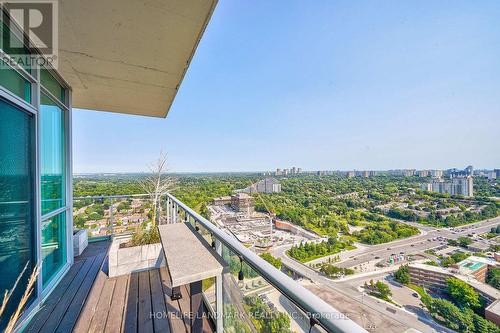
(157, 183)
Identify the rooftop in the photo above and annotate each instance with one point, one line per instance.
(241, 195)
(494, 307)
(474, 263)
(482, 287)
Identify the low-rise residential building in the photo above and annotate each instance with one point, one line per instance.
(428, 276)
(472, 270)
(492, 312)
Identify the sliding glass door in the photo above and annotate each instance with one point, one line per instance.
(17, 206)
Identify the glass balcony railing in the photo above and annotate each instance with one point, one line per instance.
(106, 216)
(257, 297)
(253, 296)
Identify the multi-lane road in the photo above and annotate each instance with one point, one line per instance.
(369, 310)
(427, 240)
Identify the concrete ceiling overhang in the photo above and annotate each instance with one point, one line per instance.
(129, 56)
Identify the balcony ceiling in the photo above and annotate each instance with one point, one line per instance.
(129, 56)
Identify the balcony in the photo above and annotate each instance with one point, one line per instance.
(250, 296)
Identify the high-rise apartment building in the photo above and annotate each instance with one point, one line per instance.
(436, 173)
(423, 173)
(267, 185)
(454, 186)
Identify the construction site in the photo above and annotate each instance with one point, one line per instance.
(257, 230)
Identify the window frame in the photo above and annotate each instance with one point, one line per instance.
(33, 107)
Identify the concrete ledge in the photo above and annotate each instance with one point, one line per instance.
(80, 242)
(134, 259)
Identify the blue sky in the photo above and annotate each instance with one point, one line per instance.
(321, 85)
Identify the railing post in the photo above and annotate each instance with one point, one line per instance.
(111, 217)
(168, 209)
(175, 212)
(219, 299)
(158, 211)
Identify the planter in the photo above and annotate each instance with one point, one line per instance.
(80, 241)
(124, 261)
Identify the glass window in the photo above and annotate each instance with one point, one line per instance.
(14, 82)
(14, 47)
(53, 246)
(17, 213)
(51, 84)
(52, 163)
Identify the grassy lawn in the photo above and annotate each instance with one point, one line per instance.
(314, 257)
(418, 289)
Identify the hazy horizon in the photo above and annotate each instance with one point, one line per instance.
(258, 171)
(329, 85)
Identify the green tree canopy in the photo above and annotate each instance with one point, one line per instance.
(463, 294)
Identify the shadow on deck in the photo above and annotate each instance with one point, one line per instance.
(86, 300)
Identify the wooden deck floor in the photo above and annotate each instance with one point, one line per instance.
(86, 300)
(60, 310)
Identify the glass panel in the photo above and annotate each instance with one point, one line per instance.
(94, 215)
(14, 82)
(253, 305)
(107, 216)
(53, 246)
(17, 222)
(52, 155)
(51, 84)
(14, 47)
(208, 285)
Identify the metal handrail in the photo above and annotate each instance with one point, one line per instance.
(119, 196)
(325, 315)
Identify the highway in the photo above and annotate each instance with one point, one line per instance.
(372, 309)
(417, 243)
